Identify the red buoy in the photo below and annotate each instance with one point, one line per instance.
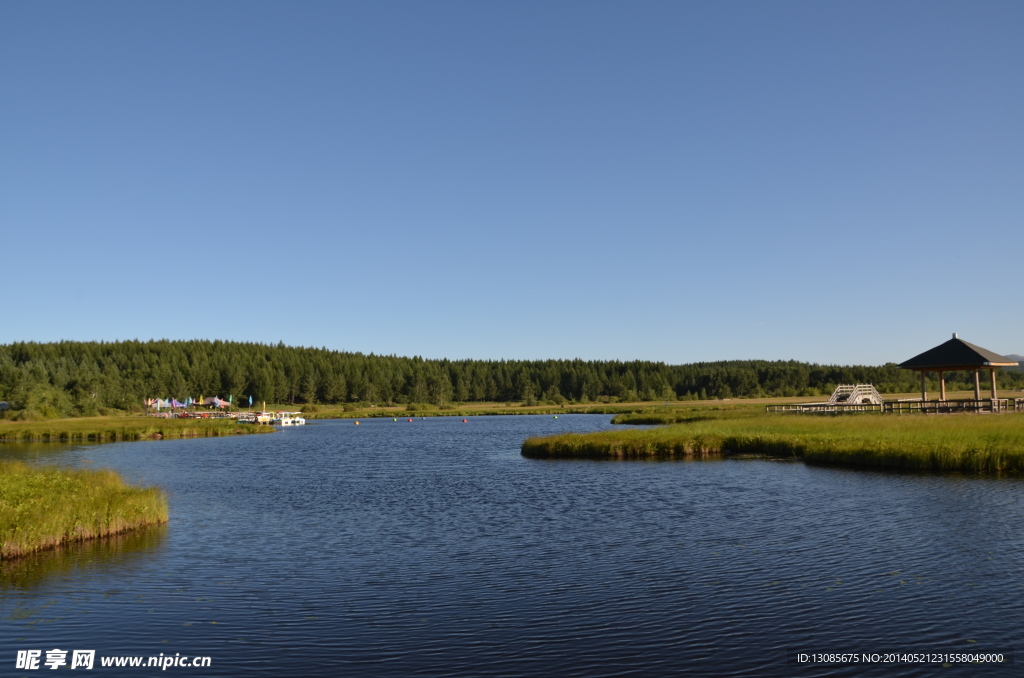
(464, 421)
(410, 420)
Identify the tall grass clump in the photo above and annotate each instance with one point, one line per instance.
(966, 443)
(655, 418)
(44, 507)
(620, 445)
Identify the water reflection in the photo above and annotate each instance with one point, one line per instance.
(39, 452)
(126, 550)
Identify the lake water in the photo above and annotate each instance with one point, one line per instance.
(432, 548)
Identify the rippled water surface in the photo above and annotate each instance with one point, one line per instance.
(432, 548)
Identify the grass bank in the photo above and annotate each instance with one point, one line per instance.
(966, 443)
(457, 410)
(108, 429)
(365, 411)
(668, 410)
(45, 507)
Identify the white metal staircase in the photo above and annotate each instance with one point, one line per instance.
(860, 394)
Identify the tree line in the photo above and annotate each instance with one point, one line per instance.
(71, 378)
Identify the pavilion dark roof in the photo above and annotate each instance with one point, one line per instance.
(957, 354)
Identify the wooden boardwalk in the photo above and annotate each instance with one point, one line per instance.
(988, 405)
(827, 408)
(950, 406)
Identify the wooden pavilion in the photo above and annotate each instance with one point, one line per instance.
(957, 355)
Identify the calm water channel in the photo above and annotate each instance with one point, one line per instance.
(433, 548)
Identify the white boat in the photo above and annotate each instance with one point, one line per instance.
(288, 419)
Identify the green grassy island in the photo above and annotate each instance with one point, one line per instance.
(965, 443)
(46, 507)
(110, 429)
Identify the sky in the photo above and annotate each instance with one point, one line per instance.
(832, 182)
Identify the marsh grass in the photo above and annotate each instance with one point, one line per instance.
(106, 429)
(659, 412)
(456, 410)
(45, 507)
(668, 417)
(967, 443)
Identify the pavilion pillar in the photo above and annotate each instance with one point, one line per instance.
(942, 385)
(992, 373)
(977, 385)
(924, 387)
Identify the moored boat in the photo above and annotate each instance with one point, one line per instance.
(288, 419)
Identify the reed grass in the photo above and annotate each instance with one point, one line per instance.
(45, 507)
(966, 443)
(107, 429)
(669, 417)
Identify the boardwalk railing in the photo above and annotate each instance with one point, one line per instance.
(907, 406)
(827, 407)
(945, 406)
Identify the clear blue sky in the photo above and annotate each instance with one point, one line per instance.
(676, 181)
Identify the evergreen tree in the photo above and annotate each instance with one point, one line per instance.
(79, 378)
